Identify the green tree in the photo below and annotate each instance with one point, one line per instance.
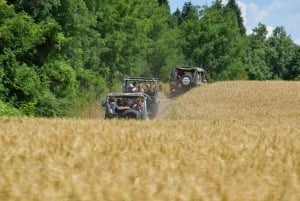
(131, 32)
(163, 2)
(190, 32)
(294, 65)
(21, 84)
(211, 39)
(280, 53)
(82, 45)
(20, 40)
(39, 10)
(60, 79)
(232, 6)
(176, 19)
(255, 59)
(164, 51)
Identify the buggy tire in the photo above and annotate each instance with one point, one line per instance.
(186, 80)
(131, 114)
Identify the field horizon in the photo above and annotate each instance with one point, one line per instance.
(231, 140)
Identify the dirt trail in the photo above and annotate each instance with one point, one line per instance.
(165, 104)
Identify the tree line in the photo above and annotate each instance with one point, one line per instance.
(60, 56)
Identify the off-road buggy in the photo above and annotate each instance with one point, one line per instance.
(183, 79)
(128, 100)
(149, 86)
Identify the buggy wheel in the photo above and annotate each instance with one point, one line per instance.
(186, 80)
(131, 114)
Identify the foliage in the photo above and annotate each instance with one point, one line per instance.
(21, 84)
(256, 63)
(7, 110)
(233, 7)
(281, 53)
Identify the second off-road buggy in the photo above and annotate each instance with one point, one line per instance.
(149, 86)
(183, 79)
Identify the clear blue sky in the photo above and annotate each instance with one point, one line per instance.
(271, 13)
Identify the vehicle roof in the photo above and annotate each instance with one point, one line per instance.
(199, 69)
(141, 78)
(126, 94)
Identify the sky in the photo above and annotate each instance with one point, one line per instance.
(272, 13)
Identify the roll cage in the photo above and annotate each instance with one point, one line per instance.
(126, 98)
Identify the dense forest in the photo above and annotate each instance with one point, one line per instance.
(59, 56)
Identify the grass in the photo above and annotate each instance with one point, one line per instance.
(223, 141)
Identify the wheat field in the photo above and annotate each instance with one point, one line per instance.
(226, 141)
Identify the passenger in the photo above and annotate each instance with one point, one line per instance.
(203, 78)
(148, 88)
(180, 74)
(140, 88)
(111, 106)
(126, 103)
(133, 85)
(138, 104)
(130, 88)
(119, 108)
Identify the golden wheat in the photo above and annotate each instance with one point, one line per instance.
(225, 141)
